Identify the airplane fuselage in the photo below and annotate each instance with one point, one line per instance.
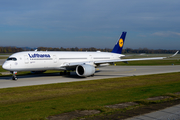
(48, 60)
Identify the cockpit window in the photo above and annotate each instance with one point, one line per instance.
(11, 58)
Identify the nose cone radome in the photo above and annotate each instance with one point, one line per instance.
(6, 66)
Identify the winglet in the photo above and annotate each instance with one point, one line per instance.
(173, 54)
(120, 43)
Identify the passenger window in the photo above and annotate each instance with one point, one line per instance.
(12, 59)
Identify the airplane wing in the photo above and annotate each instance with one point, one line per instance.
(71, 64)
(125, 60)
(136, 59)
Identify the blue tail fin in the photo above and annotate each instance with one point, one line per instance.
(119, 45)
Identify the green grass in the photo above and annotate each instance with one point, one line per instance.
(2, 70)
(3, 57)
(151, 62)
(38, 102)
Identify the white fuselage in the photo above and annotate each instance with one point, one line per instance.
(48, 60)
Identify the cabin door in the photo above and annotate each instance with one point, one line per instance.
(90, 58)
(54, 58)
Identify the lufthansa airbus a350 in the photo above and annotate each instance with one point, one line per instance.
(84, 63)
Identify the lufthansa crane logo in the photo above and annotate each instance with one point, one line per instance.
(121, 42)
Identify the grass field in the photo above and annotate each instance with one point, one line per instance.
(39, 102)
(151, 62)
(2, 70)
(3, 57)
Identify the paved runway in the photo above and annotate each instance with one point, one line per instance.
(104, 72)
(2, 61)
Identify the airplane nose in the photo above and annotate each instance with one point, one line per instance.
(5, 66)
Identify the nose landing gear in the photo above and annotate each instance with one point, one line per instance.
(14, 75)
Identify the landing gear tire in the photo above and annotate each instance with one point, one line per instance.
(14, 78)
(92, 75)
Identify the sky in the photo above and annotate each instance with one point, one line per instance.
(153, 24)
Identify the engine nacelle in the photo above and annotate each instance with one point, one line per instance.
(85, 70)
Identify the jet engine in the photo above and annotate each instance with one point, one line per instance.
(85, 70)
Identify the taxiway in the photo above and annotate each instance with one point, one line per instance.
(2, 61)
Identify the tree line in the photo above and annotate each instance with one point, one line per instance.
(148, 51)
(126, 50)
(10, 49)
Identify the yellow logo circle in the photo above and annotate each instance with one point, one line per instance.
(121, 42)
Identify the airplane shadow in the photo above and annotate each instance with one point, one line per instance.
(72, 75)
(6, 78)
(39, 75)
(114, 75)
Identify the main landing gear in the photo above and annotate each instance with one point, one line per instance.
(14, 75)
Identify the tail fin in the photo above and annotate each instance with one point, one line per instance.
(119, 45)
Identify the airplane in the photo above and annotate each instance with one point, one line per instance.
(83, 63)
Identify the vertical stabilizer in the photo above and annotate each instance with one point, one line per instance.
(120, 43)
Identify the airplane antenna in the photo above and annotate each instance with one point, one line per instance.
(35, 50)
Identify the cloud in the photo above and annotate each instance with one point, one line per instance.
(166, 33)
